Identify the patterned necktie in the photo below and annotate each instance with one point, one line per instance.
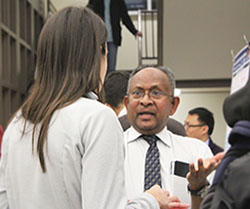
(152, 164)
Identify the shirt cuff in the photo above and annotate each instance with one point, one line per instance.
(146, 201)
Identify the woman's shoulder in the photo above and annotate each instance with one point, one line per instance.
(87, 108)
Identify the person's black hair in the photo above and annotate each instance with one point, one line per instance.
(204, 116)
(115, 87)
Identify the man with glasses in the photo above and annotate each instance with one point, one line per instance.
(200, 124)
(155, 155)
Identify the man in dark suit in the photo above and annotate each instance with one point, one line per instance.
(112, 12)
(200, 124)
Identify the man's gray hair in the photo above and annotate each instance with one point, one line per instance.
(165, 70)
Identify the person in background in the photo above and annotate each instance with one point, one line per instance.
(200, 124)
(154, 155)
(112, 12)
(115, 88)
(63, 148)
(1, 136)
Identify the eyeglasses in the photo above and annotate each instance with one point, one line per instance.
(153, 94)
(191, 126)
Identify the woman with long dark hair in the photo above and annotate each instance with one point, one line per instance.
(63, 149)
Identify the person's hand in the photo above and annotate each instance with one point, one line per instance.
(138, 34)
(197, 175)
(164, 199)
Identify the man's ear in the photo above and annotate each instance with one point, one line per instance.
(205, 129)
(125, 101)
(175, 103)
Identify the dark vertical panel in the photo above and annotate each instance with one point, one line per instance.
(20, 25)
(160, 32)
(12, 15)
(23, 74)
(6, 105)
(14, 102)
(13, 63)
(5, 56)
(38, 27)
(28, 23)
(4, 12)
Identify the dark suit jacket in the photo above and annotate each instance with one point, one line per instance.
(118, 12)
(214, 147)
(173, 125)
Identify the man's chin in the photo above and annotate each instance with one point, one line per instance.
(146, 128)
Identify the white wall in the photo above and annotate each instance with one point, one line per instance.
(210, 98)
(59, 4)
(127, 58)
(199, 35)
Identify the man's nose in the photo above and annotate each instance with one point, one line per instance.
(145, 100)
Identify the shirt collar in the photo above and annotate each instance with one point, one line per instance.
(164, 135)
(207, 142)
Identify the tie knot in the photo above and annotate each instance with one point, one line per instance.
(151, 139)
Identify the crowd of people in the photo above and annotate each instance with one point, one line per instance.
(68, 147)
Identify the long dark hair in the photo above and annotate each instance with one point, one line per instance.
(68, 66)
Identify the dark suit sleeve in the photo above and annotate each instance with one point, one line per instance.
(176, 127)
(97, 6)
(214, 147)
(91, 4)
(124, 122)
(126, 20)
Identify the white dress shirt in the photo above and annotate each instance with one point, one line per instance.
(172, 148)
(84, 162)
(123, 112)
(207, 141)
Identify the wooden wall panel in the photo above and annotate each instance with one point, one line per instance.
(20, 26)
